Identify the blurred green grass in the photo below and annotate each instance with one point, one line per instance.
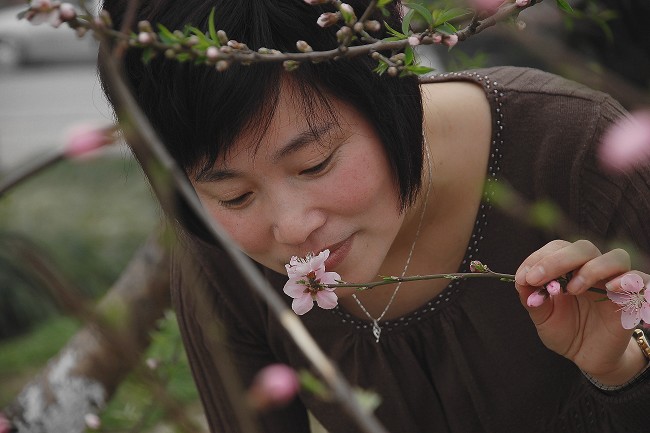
(87, 218)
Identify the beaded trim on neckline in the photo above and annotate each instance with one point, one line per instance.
(494, 96)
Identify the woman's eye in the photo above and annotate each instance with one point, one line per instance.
(235, 202)
(318, 167)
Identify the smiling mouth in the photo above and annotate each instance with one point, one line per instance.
(338, 253)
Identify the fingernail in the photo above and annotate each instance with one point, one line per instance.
(609, 286)
(536, 276)
(520, 276)
(576, 283)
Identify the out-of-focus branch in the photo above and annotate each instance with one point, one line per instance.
(87, 371)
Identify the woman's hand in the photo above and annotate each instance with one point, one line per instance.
(587, 332)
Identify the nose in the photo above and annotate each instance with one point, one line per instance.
(294, 221)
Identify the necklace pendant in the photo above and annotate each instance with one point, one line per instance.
(376, 330)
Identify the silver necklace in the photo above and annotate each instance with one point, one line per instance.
(376, 329)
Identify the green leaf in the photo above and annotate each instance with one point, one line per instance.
(419, 70)
(422, 11)
(148, 54)
(394, 32)
(166, 35)
(452, 14)
(381, 68)
(564, 5)
(212, 29)
(446, 28)
(406, 22)
(199, 34)
(409, 56)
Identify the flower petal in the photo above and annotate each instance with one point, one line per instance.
(302, 304)
(329, 278)
(294, 289)
(326, 300)
(630, 318)
(619, 298)
(317, 263)
(632, 283)
(645, 312)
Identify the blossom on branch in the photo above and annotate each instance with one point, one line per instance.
(83, 140)
(308, 283)
(275, 385)
(633, 299)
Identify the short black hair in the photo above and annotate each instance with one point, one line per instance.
(199, 112)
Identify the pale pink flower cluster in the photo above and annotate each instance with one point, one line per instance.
(627, 143)
(537, 298)
(308, 282)
(634, 299)
(275, 385)
(52, 12)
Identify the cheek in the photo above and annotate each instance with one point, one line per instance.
(243, 229)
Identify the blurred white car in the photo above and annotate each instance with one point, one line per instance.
(23, 43)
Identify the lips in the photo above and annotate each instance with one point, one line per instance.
(338, 253)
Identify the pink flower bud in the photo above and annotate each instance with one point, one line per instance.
(346, 9)
(554, 288)
(212, 53)
(522, 3)
(92, 421)
(327, 19)
(5, 424)
(437, 38)
(537, 298)
(414, 41)
(85, 139)
(626, 144)
(450, 40)
(274, 386)
(145, 38)
(67, 12)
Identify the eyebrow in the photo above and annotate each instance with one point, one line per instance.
(294, 145)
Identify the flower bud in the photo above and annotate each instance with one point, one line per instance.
(145, 38)
(92, 421)
(392, 71)
(170, 53)
(304, 47)
(626, 144)
(290, 65)
(375, 55)
(414, 41)
(5, 424)
(450, 40)
(553, 288)
(348, 13)
(437, 38)
(67, 12)
(372, 25)
(212, 53)
(328, 19)
(192, 40)
(343, 33)
(84, 140)
(144, 26)
(274, 386)
(358, 27)
(222, 65)
(223, 38)
(537, 298)
(522, 3)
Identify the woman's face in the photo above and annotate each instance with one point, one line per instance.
(304, 190)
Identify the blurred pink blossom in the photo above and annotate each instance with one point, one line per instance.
(522, 3)
(414, 41)
(627, 143)
(307, 283)
(634, 304)
(274, 386)
(5, 425)
(450, 40)
(83, 140)
(92, 421)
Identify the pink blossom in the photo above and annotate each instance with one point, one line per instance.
(450, 40)
(43, 11)
(328, 18)
(554, 288)
(85, 139)
(308, 283)
(537, 298)
(634, 304)
(414, 41)
(92, 421)
(5, 424)
(274, 386)
(67, 12)
(145, 38)
(522, 3)
(437, 38)
(627, 143)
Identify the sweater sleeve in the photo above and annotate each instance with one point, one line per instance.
(225, 342)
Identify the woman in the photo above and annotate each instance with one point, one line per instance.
(388, 174)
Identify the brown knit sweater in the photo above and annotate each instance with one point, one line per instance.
(469, 360)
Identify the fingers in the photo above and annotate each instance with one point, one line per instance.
(590, 268)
